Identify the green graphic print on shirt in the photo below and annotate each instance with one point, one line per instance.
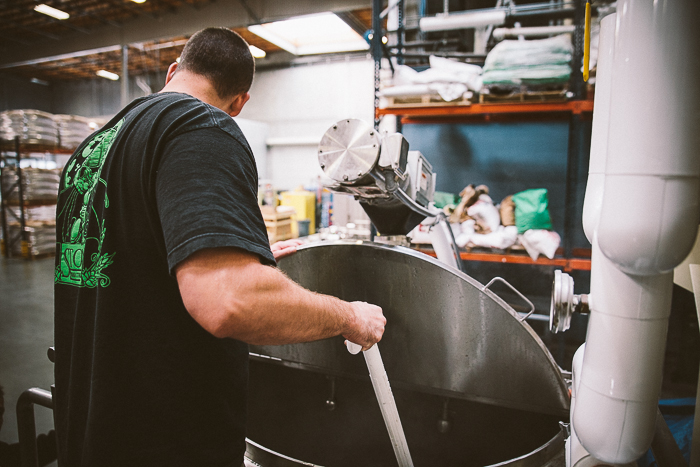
(79, 185)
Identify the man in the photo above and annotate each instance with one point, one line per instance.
(163, 276)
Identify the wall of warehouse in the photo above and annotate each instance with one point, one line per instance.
(89, 98)
(98, 97)
(20, 93)
(299, 104)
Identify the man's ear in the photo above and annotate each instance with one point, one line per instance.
(238, 103)
(171, 72)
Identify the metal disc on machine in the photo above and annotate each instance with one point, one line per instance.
(348, 150)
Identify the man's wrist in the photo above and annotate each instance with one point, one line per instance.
(350, 317)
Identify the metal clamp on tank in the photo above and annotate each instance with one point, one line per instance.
(564, 303)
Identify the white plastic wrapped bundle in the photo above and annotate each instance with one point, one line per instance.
(38, 185)
(32, 127)
(44, 215)
(446, 78)
(41, 239)
(72, 130)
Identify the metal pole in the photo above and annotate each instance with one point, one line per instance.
(576, 76)
(24, 243)
(125, 75)
(400, 51)
(376, 54)
(26, 428)
(400, 34)
(572, 163)
(3, 206)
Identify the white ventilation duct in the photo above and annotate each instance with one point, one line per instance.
(472, 19)
(503, 33)
(647, 224)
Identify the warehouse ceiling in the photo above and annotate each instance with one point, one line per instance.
(143, 58)
(20, 24)
(39, 47)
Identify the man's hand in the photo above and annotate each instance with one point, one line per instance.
(285, 248)
(368, 326)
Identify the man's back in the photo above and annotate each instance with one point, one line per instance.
(138, 381)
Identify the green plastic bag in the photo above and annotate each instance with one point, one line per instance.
(532, 210)
(442, 199)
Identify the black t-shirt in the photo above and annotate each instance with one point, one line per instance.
(138, 381)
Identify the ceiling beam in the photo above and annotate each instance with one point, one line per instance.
(185, 21)
(80, 53)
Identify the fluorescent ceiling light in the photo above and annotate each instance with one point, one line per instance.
(39, 81)
(311, 34)
(139, 1)
(257, 52)
(51, 11)
(108, 75)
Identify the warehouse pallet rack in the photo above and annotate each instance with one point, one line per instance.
(11, 154)
(576, 111)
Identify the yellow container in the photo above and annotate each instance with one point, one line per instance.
(304, 203)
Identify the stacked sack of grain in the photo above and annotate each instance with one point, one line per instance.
(32, 127)
(72, 130)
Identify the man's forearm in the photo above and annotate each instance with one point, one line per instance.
(271, 309)
(232, 295)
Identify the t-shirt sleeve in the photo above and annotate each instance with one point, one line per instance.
(206, 190)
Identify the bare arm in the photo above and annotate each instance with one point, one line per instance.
(230, 294)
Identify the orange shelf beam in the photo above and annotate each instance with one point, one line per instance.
(569, 264)
(574, 107)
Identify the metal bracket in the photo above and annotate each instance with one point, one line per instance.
(505, 282)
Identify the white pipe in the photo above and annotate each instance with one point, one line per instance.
(502, 33)
(387, 404)
(651, 209)
(388, 9)
(648, 221)
(622, 366)
(292, 141)
(575, 452)
(593, 200)
(442, 241)
(462, 20)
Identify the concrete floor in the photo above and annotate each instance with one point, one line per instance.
(26, 333)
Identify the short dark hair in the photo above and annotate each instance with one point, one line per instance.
(223, 57)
